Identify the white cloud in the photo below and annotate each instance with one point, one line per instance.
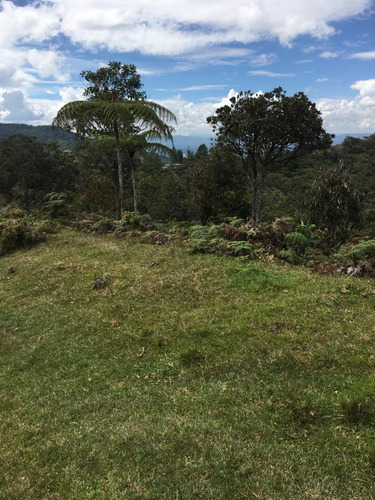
(321, 80)
(192, 117)
(270, 74)
(366, 56)
(171, 27)
(29, 23)
(365, 87)
(264, 59)
(329, 55)
(17, 107)
(355, 115)
(204, 87)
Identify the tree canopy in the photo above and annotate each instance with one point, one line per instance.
(268, 129)
(113, 83)
(116, 107)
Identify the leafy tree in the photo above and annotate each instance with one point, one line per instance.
(265, 130)
(113, 83)
(116, 108)
(177, 156)
(202, 151)
(219, 186)
(25, 167)
(334, 202)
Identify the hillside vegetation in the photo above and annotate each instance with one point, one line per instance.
(138, 371)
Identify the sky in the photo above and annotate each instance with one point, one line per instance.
(193, 55)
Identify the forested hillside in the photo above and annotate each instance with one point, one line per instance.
(43, 133)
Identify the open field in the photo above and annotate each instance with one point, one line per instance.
(182, 377)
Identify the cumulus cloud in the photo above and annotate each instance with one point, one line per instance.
(192, 117)
(356, 115)
(17, 107)
(14, 107)
(171, 28)
(365, 87)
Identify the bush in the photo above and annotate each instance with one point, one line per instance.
(362, 251)
(335, 203)
(20, 233)
(135, 220)
(224, 238)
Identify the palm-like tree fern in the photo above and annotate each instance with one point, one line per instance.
(126, 121)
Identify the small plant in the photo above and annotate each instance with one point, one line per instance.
(363, 250)
(298, 241)
(235, 221)
(19, 233)
(103, 226)
(240, 249)
(135, 220)
(55, 204)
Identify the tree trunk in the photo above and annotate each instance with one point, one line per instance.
(260, 193)
(119, 206)
(26, 195)
(134, 184)
(117, 194)
(254, 182)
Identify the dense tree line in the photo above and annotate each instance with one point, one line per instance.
(271, 158)
(205, 187)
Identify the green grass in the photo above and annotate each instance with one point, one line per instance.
(186, 377)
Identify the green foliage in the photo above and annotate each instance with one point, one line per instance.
(219, 186)
(113, 83)
(103, 226)
(43, 133)
(298, 241)
(18, 230)
(55, 204)
(135, 220)
(116, 108)
(335, 203)
(240, 249)
(288, 255)
(223, 238)
(265, 130)
(363, 250)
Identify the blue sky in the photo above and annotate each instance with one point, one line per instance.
(192, 54)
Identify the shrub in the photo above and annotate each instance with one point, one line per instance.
(19, 233)
(335, 203)
(103, 226)
(135, 220)
(55, 204)
(363, 250)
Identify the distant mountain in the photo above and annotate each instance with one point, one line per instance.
(190, 142)
(43, 133)
(339, 138)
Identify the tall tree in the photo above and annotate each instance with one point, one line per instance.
(26, 167)
(116, 107)
(334, 202)
(264, 130)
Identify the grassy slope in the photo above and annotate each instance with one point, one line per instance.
(257, 380)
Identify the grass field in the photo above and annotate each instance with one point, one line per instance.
(182, 377)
